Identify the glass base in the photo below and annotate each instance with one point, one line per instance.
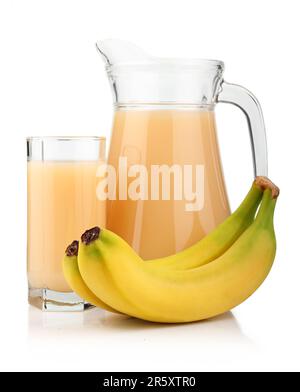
(54, 301)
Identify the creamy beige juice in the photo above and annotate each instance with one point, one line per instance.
(158, 228)
(62, 204)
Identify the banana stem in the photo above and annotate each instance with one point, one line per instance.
(266, 211)
(271, 192)
(265, 183)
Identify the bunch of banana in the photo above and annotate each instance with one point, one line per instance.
(211, 277)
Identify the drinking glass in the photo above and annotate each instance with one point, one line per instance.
(62, 204)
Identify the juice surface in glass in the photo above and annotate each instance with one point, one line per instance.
(157, 228)
(62, 204)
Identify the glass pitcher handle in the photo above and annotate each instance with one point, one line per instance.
(247, 102)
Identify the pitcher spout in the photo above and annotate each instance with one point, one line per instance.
(116, 52)
(137, 78)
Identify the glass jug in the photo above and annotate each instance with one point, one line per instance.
(167, 189)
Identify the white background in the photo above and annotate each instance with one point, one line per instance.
(52, 81)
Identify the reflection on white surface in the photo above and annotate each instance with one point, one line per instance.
(97, 323)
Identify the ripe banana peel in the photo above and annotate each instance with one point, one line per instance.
(210, 278)
(199, 254)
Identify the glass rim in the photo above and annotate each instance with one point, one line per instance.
(65, 138)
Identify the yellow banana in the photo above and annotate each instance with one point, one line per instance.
(220, 239)
(75, 281)
(204, 251)
(115, 273)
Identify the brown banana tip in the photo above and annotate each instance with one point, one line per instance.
(265, 183)
(72, 250)
(90, 235)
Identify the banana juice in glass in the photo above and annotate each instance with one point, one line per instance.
(62, 204)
